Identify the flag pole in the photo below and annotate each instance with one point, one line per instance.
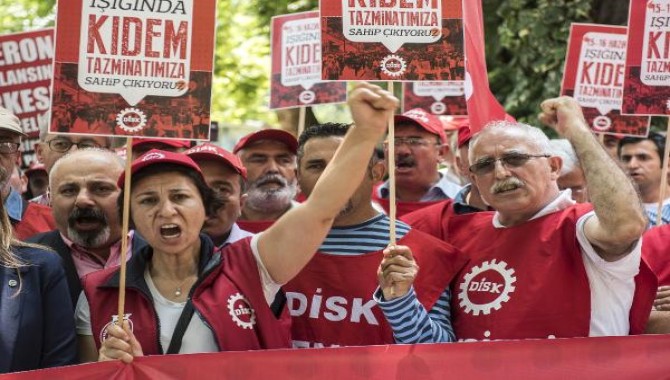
(301, 120)
(124, 231)
(391, 169)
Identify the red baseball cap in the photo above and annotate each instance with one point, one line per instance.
(209, 151)
(159, 157)
(268, 134)
(464, 133)
(167, 142)
(425, 120)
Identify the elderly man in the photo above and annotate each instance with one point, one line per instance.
(343, 271)
(225, 174)
(542, 266)
(420, 145)
(572, 175)
(642, 157)
(27, 219)
(269, 157)
(84, 204)
(52, 147)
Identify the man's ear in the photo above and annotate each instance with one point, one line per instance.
(39, 152)
(556, 163)
(377, 171)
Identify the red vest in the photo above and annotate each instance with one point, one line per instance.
(402, 208)
(36, 219)
(433, 219)
(656, 251)
(331, 303)
(255, 226)
(229, 299)
(529, 281)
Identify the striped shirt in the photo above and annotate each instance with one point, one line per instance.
(409, 320)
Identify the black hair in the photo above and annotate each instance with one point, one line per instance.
(320, 130)
(210, 199)
(656, 138)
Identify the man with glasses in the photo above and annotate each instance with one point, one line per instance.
(52, 147)
(27, 219)
(420, 145)
(542, 266)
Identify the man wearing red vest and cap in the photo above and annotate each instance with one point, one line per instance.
(224, 174)
(269, 157)
(420, 143)
(541, 266)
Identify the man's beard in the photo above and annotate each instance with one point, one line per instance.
(92, 238)
(271, 200)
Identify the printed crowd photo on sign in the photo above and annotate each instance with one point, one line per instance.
(438, 98)
(25, 82)
(594, 76)
(647, 80)
(134, 68)
(392, 40)
(296, 64)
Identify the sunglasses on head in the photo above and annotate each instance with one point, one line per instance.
(510, 160)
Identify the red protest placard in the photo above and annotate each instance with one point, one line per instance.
(647, 81)
(296, 64)
(594, 75)
(392, 40)
(439, 98)
(25, 82)
(137, 68)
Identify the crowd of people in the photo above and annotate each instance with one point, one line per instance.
(287, 242)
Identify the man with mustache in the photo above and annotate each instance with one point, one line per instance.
(420, 145)
(541, 266)
(642, 158)
(26, 218)
(322, 298)
(84, 204)
(269, 157)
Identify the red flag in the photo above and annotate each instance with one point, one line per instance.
(482, 105)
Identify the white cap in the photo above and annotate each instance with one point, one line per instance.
(9, 122)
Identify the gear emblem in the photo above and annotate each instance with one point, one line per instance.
(115, 319)
(393, 65)
(476, 282)
(131, 120)
(241, 311)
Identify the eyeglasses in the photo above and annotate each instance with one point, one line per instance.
(8, 147)
(412, 142)
(512, 160)
(62, 145)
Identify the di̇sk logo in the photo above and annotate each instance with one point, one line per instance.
(240, 310)
(115, 320)
(486, 287)
(131, 120)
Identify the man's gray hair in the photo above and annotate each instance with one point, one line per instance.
(533, 135)
(563, 149)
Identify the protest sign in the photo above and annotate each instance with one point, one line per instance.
(134, 68)
(593, 75)
(25, 82)
(296, 64)
(392, 40)
(647, 79)
(439, 98)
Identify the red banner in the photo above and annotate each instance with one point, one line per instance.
(25, 82)
(392, 40)
(594, 74)
(141, 69)
(296, 64)
(647, 81)
(641, 357)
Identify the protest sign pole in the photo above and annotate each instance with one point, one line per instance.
(664, 176)
(124, 230)
(391, 160)
(301, 120)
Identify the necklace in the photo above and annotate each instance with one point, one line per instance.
(177, 291)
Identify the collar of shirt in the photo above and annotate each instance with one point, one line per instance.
(561, 202)
(14, 205)
(44, 199)
(442, 189)
(87, 261)
(236, 233)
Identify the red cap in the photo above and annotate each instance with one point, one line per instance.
(464, 133)
(268, 134)
(425, 120)
(209, 151)
(159, 157)
(35, 167)
(167, 142)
